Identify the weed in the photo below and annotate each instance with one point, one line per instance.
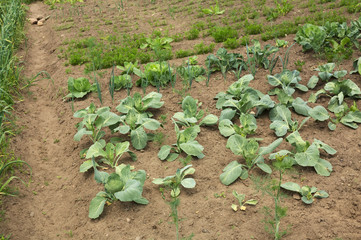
(299, 65)
(201, 48)
(231, 43)
(221, 34)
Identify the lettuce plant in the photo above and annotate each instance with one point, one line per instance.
(311, 37)
(252, 154)
(79, 87)
(136, 118)
(307, 193)
(185, 143)
(158, 43)
(122, 81)
(190, 115)
(123, 185)
(213, 10)
(158, 74)
(128, 67)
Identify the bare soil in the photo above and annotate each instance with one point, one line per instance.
(55, 205)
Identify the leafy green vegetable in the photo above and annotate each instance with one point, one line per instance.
(128, 67)
(282, 122)
(308, 155)
(135, 117)
(213, 10)
(260, 56)
(224, 62)
(253, 155)
(311, 37)
(190, 115)
(248, 126)
(185, 143)
(288, 80)
(79, 87)
(356, 66)
(176, 181)
(157, 43)
(123, 185)
(122, 81)
(307, 193)
(158, 74)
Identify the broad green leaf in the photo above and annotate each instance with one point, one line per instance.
(252, 202)
(96, 150)
(189, 106)
(291, 186)
(192, 148)
(123, 129)
(209, 120)
(236, 143)
(152, 100)
(231, 172)
(226, 127)
(100, 177)
(331, 126)
(280, 127)
(85, 166)
(138, 138)
(306, 200)
(125, 105)
(319, 113)
(96, 207)
(309, 158)
(264, 167)
(321, 194)
(150, 124)
(301, 107)
(164, 152)
(121, 148)
(301, 87)
(312, 82)
(324, 146)
(188, 183)
(107, 119)
(270, 148)
(81, 133)
(227, 113)
(323, 167)
(132, 190)
(172, 156)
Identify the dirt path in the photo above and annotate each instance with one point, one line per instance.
(39, 143)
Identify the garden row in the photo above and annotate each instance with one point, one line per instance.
(239, 104)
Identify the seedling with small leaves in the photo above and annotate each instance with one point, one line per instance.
(123, 185)
(190, 115)
(213, 10)
(174, 183)
(307, 193)
(241, 201)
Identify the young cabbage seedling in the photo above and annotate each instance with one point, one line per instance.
(307, 193)
(110, 155)
(185, 143)
(93, 121)
(253, 155)
(173, 183)
(136, 118)
(123, 185)
(190, 115)
(242, 202)
(248, 126)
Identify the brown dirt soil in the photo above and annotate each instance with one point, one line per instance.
(55, 205)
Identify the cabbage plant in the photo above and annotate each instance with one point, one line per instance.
(307, 193)
(123, 185)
